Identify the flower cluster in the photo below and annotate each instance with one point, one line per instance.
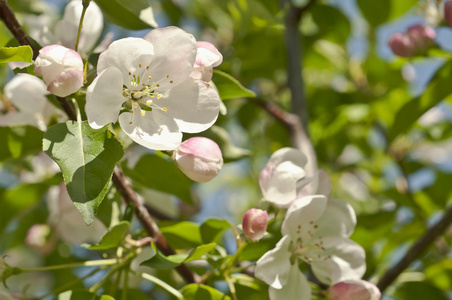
(316, 230)
(416, 41)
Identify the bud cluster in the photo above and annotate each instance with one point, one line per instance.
(415, 41)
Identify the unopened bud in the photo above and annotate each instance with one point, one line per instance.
(448, 12)
(421, 36)
(199, 158)
(254, 224)
(402, 45)
(61, 69)
(354, 290)
(207, 57)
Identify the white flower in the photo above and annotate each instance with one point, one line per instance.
(151, 76)
(28, 94)
(316, 231)
(285, 179)
(61, 69)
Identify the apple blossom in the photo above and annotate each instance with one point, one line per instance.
(199, 158)
(315, 230)
(254, 224)
(151, 76)
(354, 290)
(207, 57)
(28, 94)
(61, 69)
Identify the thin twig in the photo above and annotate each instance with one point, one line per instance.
(8, 17)
(416, 250)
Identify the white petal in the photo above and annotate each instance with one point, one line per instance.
(27, 92)
(151, 131)
(297, 287)
(193, 105)
(301, 213)
(18, 118)
(127, 55)
(339, 219)
(104, 98)
(346, 261)
(274, 266)
(175, 53)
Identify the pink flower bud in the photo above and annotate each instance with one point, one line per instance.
(448, 12)
(422, 37)
(61, 69)
(354, 290)
(199, 158)
(38, 238)
(254, 224)
(402, 45)
(207, 57)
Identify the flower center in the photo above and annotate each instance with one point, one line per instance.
(311, 249)
(142, 90)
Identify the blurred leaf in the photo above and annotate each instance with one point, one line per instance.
(82, 295)
(87, 158)
(212, 229)
(134, 15)
(440, 274)
(375, 12)
(332, 24)
(162, 262)
(18, 141)
(419, 290)
(198, 291)
(181, 235)
(229, 87)
(438, 89)
(160, 174)
(250, 288)
(199, 251)
(113, 237)
(11, 54)
(27, 6)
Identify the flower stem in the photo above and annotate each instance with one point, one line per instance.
(161, 283)
(90, 263)
(231, 287)
(80, 25)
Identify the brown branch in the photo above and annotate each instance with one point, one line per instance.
(416, 250)
(8, 17)
(118, 178)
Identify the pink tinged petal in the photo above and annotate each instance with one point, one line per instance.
(104, 98)
(339, 219)
(66, 83)
(319, 184)
(175, 53)
(207, 55)
(274, 266)
(193, 105)
(151, 131)
(127, 55)
(297, 287)
(202, 73)
(301, 216)
(27, 93)
(354, 290)
(49, 62)
(343, 259)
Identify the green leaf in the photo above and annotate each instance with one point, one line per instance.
(198, 291)
(375, 12)
(199, 251)
(229, 87)
(113, 237)
(134, 15)
(160, 174)
(18, 141)
(438, 89)
(182, 235)
(21, 53)
(87, 158)
(82, 295)
(418, 290)
(162, 262)
(212, 229)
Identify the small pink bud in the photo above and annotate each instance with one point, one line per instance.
(448, 12)
(207, 57)
(38, 238)
(402, 45)
(422, 36)
(254, 224)
(354, 290)
(199, 158)
(61, 69)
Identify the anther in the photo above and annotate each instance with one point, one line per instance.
(143, 113)
(149, 102)
(149, 77)
(164, 109)
(139, 65)
(171, 81)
